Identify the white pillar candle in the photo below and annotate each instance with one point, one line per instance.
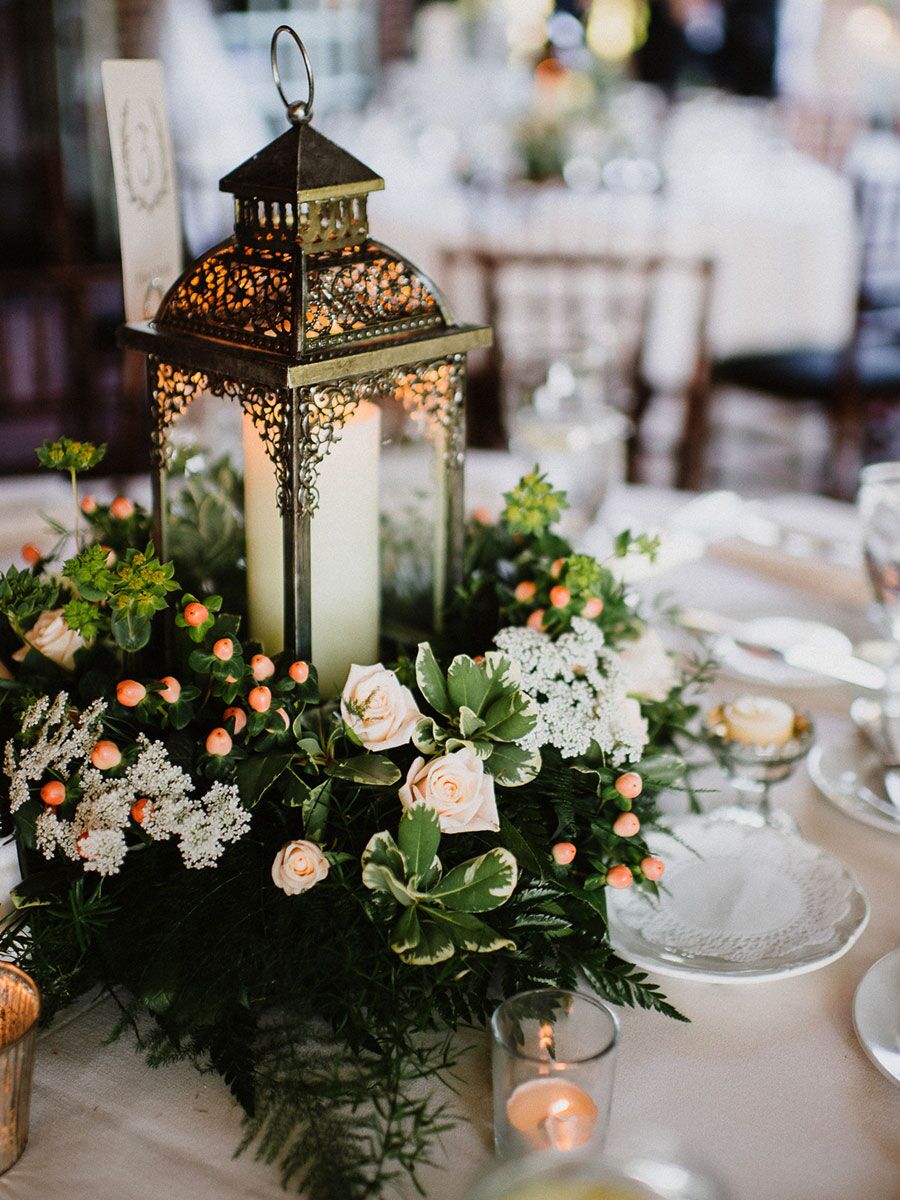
(344, 549)
(552, 1114)
(759, 721)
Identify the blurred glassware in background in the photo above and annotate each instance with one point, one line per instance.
(567, 426)
(879, 510)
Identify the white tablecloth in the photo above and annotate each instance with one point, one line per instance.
(768, 1080)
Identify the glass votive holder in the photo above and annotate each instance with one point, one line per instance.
(553, 1055)
(20, 1007)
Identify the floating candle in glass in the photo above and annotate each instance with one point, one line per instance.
(553, 1058)
(758, 721)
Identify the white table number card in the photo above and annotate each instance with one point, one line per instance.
(146, 192)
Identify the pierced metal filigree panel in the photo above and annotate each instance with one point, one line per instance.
(351, 300)
(315, 225)
(243, 295)
(434, 393)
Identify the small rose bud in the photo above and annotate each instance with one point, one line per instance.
(536, 620)
(140, 811)
(593, 608)
(556, 568)
(218, 742)
(171, 691)
(560, 596)
(260, 699)
(238, 716)
(653, 868)
(105, 755)
(299, 671)
(262, 667)
(563, 853)
(53, 793)
(130, 693)
(626, 825)
(482, 515)
(88, 505)
(630, 785)
(196, 613)
(121, 508)
(525, 591)
(223, 649)
(619, 877)
(31, 554)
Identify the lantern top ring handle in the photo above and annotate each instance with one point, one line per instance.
(299, 111)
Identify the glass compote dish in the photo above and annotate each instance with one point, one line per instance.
(758, 741)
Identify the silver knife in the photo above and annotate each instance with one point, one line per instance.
(806, 657)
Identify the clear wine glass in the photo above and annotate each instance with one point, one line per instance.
(879, 510)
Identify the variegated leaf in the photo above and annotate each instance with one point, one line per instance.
(435, 945)
(469, 933)
(479, 885)
(512, 765)
(430, 679)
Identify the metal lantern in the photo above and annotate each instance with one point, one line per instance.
(300, 317)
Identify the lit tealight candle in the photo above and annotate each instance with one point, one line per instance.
(552, 1114)
(758, 721)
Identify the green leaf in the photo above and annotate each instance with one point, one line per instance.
(373, 770)
(661, 770)
(407, 932)
(468, 932)
(257, 773)
(467, 683)
(512, 765)
(510, 718)
(131, 632)
(380, 879)
(419, 837)
(430, 679)
(315, 811)
(479, 885)
(435, 945)
(428, 736)
(383, 851)
(517, 843)
(469, 722)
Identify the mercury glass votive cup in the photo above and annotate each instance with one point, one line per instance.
(553, 1054)
(20, 1007)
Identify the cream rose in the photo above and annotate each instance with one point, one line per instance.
(298, 866)
(378, 708)
(53, 638)
(457, 787)
(649, 670)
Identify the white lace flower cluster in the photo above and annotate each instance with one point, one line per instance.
(580, 689)
(95, 833)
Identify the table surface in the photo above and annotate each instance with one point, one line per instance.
(768, 1082)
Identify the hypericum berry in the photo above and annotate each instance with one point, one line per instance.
(478, 658)
(105, 755)
(525, 591)
(285, 719)
(626, 825)
(121, 508)
(619, 877)
(171, 691)
(53, 793)
(560, 596)
(299, 671)
(536, 620)
(223, 649)
(130, 693)
(630, 785)
(196, 613)
(593, 608)
(653, 868)
(556, 568)
(88, 505)
(260, 699)
(111, 556)
(31, 554)
(262, 667)
(563, 853)
(140, 810)
(238, 716)
(218, 742)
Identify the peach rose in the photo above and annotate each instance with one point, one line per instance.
(379, 710)
(649, 670)
(457, 787)
(53, 638)
(298, 866)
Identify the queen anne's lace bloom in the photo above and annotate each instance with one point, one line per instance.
(96, 832)
(580, 690)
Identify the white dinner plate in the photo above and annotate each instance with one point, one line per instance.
(741, 904)
(844, 769)
(781, 631)
(876, 1014)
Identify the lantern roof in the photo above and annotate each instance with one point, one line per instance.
(300, 165)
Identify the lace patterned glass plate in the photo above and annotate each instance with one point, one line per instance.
(845, 770)
(740, 904)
